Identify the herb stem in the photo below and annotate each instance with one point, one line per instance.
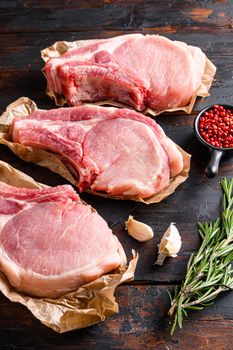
(209, 270)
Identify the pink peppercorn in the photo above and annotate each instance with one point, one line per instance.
(216, 127)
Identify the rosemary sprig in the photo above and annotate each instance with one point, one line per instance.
(209, 270)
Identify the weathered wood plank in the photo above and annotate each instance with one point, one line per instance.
(27, 27)
(141, 323)
(172, 15)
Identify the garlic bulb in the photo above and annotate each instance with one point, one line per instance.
(170, 244)
(138, 230)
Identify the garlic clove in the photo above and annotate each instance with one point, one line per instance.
(138, 229)
(170, 244)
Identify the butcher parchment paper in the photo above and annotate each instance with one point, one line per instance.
(89, 304)
(23, 107)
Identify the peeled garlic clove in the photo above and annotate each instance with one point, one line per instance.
(170, 244)
(138, 230)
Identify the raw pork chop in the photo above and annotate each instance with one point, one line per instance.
(116, 151)
(137, 70)
(51, 243)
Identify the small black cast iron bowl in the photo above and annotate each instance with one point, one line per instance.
(215, 152)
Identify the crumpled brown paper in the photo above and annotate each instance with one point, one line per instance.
(60, 47)
(23, 107)
(89, 304)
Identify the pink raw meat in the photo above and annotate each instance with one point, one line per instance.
(51, 243)
(137, 70)
(116, 151)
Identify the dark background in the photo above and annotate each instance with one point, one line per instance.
(26, 27)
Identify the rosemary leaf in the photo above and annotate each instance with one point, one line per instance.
(209, 270)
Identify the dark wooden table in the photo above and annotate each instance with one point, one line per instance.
(26, 27)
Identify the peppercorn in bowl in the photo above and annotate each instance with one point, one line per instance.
(214, 128)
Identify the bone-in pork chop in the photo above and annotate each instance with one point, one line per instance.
(138, 70)
(110, 150)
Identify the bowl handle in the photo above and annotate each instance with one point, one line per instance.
(212, 167)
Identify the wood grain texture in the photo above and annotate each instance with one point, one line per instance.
(26, 27)
(141, 322)
(69, 16)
